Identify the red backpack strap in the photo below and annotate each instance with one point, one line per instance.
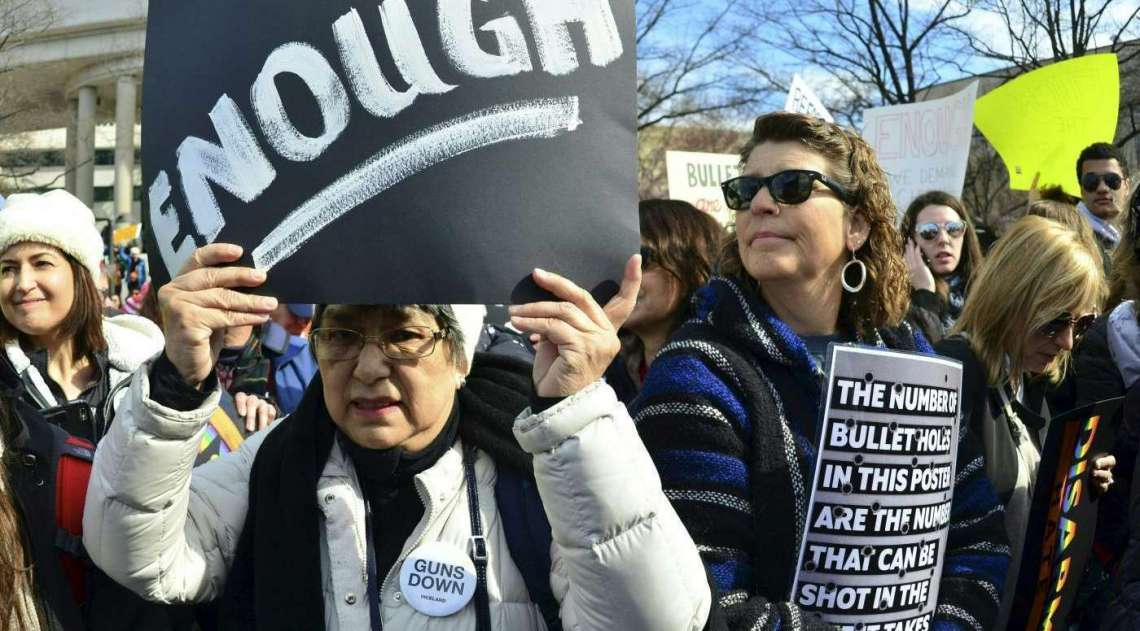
(73, 471)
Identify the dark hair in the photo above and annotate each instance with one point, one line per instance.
(444, 316)
(1125, 281)
(684, 240)
(16, 579)
(1102, 151)
(83, 323)
(884, 299)
(971, 248)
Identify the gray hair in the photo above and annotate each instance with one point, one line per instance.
(444, 316)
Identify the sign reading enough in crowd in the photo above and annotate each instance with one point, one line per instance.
(393, 151)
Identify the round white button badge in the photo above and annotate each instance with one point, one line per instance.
(437, 579)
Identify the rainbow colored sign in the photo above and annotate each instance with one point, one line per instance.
(1059, 539)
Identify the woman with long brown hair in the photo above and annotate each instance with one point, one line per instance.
(941, 253)
(18, 610)
(678, 249)
(729, 408)
(65, 365)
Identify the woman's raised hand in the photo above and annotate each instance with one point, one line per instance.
(920, 275)
(201, 303)
(575, 339)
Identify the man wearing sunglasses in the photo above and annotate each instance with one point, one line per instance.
(1103, 175)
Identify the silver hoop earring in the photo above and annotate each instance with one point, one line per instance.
(854, 289)
(460, 382)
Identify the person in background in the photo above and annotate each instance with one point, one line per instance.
(292, 365)
(395, 454)
(71, 363)
(294, 318)
(1013, 338)
(678, 248)
(941, 252)
(728, 410)
(1106, 364)
(1103, 175)
(136, 269)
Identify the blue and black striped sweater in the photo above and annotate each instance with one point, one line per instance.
(729, 412)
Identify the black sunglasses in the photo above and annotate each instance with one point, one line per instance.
(648, 257)
(786, 187)
(929, 231)
(1090, 181)
(1080, 325)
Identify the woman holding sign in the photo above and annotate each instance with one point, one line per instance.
(402, 492)
(1017, 327)
(730, 408)
(942, 252)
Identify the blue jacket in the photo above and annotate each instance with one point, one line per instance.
(729, 413)
(292, 372)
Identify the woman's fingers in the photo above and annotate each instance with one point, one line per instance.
(552, 330)
(565, 311)
(619, 307)
(251, 416)
(211, 255)
(229, 300)
(211, 277)
(240, 401)
(265, 415)
(567, 290)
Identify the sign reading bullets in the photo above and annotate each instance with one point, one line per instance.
(875, 539)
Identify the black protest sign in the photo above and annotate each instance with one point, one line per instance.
(1062, 518)
(874, 543)
(393, 151)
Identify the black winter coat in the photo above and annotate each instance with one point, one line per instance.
(30, 461)
(1124, 611)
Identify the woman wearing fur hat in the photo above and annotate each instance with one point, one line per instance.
(62, 365)
(393, 497)
(53, 331)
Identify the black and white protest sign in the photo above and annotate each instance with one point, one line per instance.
(875, 541)
(393, 151)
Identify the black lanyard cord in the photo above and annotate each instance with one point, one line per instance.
(478, 544)
(478, 553)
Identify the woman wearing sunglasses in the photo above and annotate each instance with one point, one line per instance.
(941, 253)
(678, 248)
(1014, 337)
(729, 407)
(412, 489)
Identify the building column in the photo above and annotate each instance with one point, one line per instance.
(124, 148)
(69, 147)
(85, 146)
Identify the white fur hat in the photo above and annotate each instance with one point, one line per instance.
(470, 319)
(55, 218)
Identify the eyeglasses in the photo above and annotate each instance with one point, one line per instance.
(409, 342)
(786, 187)
(929, 231)
(1090, 181)
(1080, 325)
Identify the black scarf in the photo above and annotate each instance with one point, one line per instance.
(275, 581)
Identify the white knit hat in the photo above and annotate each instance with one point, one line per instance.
(54, 218)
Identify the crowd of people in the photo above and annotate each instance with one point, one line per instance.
(643, 464)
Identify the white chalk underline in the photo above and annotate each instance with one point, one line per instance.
(521, 120)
